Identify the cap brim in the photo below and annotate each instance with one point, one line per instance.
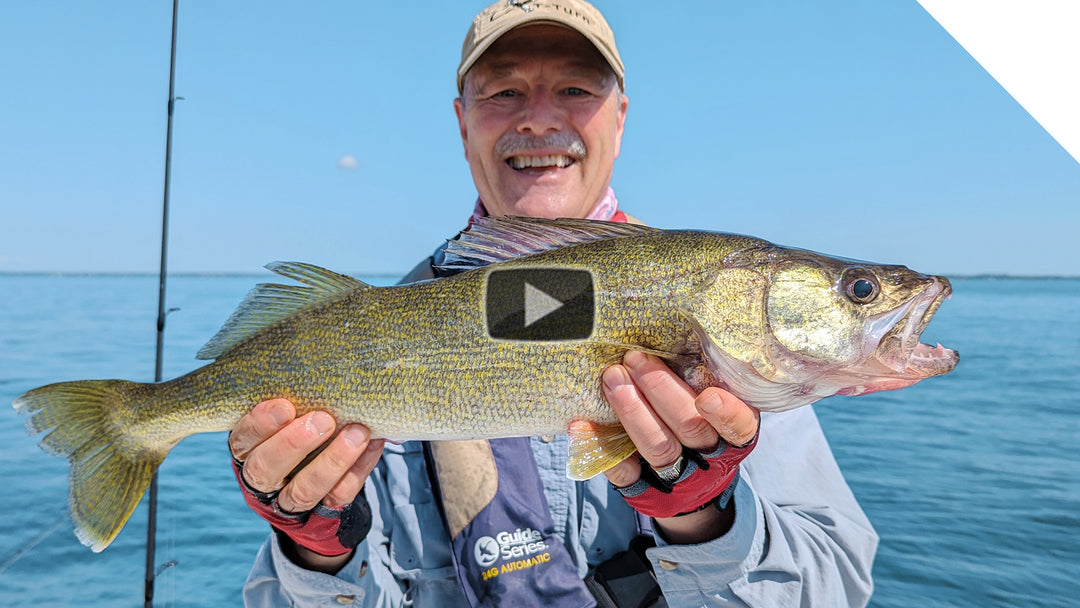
(515, 22)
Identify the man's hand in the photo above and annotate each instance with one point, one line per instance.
(269, 443)
(661, 414)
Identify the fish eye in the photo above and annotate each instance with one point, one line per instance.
(860, 286)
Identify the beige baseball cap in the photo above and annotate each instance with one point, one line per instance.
(505, 15)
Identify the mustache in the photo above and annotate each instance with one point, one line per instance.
(515, 144)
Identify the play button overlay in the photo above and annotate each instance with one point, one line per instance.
(543, 304)
(538, 304)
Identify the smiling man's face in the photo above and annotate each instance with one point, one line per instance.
(541, 120)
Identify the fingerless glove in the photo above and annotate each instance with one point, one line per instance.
(323, 530)
(709, 478)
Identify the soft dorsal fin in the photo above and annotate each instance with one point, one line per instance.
(269, 303)
(496, 239)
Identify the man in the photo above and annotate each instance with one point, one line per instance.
(541, 114)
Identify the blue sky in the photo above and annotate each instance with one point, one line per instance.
(855, 128)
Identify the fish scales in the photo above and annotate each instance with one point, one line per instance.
(417, 362)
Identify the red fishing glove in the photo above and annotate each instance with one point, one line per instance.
(324, 530)
(707, 479)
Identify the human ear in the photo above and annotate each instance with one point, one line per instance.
(459, 110)
(620, 120)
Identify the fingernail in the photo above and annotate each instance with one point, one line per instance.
(710, 402)
(280, 414)
(354, 436)
(615, 377)
(321, 422)
(635, 359)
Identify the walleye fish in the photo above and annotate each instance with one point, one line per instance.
(777, 327)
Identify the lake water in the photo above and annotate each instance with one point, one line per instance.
(972, 480)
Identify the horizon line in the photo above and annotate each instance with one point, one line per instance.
(390, 274)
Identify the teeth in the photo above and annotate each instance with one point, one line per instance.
(551, 160)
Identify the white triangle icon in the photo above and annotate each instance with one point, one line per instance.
(538, 304)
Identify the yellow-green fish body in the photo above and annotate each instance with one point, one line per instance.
(778, 327)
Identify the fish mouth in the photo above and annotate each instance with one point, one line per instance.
(900, 359)
(889, 356)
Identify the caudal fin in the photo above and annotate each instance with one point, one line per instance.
(109, 470)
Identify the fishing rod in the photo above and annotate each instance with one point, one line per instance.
(151, 528)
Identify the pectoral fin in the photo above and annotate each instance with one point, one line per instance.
(618, 349)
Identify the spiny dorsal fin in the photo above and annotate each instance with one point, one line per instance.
(269, 303)
(496, 239)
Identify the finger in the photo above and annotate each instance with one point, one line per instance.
(256, 426)
(625, 473)
(313, 483)
(270, 462)
(350, 485)
(655, 442)
(672, 400)
(736, 422)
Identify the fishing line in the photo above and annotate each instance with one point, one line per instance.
(30, 544)
(169, 593)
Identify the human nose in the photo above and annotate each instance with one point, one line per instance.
(541, 113)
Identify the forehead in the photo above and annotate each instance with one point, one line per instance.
(543, 42)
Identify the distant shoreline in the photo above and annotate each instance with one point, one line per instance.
(398, 275)
(223, 274)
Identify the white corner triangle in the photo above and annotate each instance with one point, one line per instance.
(1031, 48)
(538, 304)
